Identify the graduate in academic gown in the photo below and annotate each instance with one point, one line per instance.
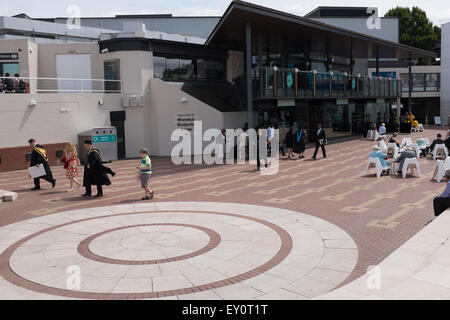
(300, 142)
(38, 158)
(95, 173)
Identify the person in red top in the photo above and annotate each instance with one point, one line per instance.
(70, 161)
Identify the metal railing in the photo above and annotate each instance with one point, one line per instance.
(60, 85)
(293, 83)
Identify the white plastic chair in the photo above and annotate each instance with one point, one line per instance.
(420, 128)
(406, 141)
(392, 148)
(410, 163)
(442, 169)
(413, 129)
(416, 148)
(374, 163)
(439, 147)
(383, 147)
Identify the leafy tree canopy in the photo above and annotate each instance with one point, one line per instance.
(416, 29)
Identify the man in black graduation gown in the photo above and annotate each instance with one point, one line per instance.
(94, 171)
(38, 158)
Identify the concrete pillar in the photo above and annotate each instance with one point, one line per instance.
(248, 53)
(410, 84)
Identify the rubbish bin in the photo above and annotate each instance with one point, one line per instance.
(103, 138)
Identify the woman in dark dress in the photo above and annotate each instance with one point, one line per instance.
(290, 142)
(300, 142)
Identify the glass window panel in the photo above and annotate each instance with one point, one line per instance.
(159, 66)
(172, 70)
(186, 69)
(418, 81)
(431, 82)
(11, 68)
(111, 70)
(404, 77)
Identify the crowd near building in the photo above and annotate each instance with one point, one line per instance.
(147, 75)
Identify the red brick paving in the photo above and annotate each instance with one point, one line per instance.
(332, 189)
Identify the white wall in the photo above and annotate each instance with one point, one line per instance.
(56, 117)
(164, 104)
(445, 73)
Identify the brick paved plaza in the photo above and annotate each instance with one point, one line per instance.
(212, 232)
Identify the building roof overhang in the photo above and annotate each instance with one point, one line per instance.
(230, 33)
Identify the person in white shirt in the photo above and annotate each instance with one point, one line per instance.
(382, 129)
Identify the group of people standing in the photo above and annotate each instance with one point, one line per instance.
(12, 85)
(296, 141)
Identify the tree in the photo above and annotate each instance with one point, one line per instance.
(416, 29)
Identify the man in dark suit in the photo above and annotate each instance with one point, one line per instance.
(94, 171)
(38, 158)
(436, 141)
(321, 141)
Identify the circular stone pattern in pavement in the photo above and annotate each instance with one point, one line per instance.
(153, 243)
(174, 250)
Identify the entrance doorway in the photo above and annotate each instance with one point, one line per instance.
(315, 116)
(118, 121)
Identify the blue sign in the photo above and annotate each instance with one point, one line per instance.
(289, 80)
(385, 74)
(104, 138)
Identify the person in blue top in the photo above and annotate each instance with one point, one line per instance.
(442, 202)
(376, 153)
(382, 129)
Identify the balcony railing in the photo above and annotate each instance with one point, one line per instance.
(293, 83)
(61, 85)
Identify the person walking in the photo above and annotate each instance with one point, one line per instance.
(261, 137)
(71, 162)
(94, 171)
(38, 158)
(290, 142)
(321, 141)
(300, 142)
(145, 171)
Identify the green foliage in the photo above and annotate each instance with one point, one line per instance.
(416, 29)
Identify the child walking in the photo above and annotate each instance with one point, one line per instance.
(70, 161)
(145, 171)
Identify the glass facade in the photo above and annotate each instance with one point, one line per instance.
(421, 82)
(188, 68)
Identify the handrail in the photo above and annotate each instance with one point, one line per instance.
(41, 84)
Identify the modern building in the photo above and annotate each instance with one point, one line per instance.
(256, 65)
(445, 73)
(425, 87)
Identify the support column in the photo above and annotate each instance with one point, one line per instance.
(410, 84)
(248, 53)
(377, 64)
(398, 110)
(351, 59)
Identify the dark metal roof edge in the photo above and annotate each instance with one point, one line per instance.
(313, 24)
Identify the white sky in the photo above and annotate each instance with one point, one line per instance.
(438, 10)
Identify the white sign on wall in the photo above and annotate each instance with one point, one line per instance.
(186, 121)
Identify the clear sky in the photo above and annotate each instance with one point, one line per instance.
(437, 10)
